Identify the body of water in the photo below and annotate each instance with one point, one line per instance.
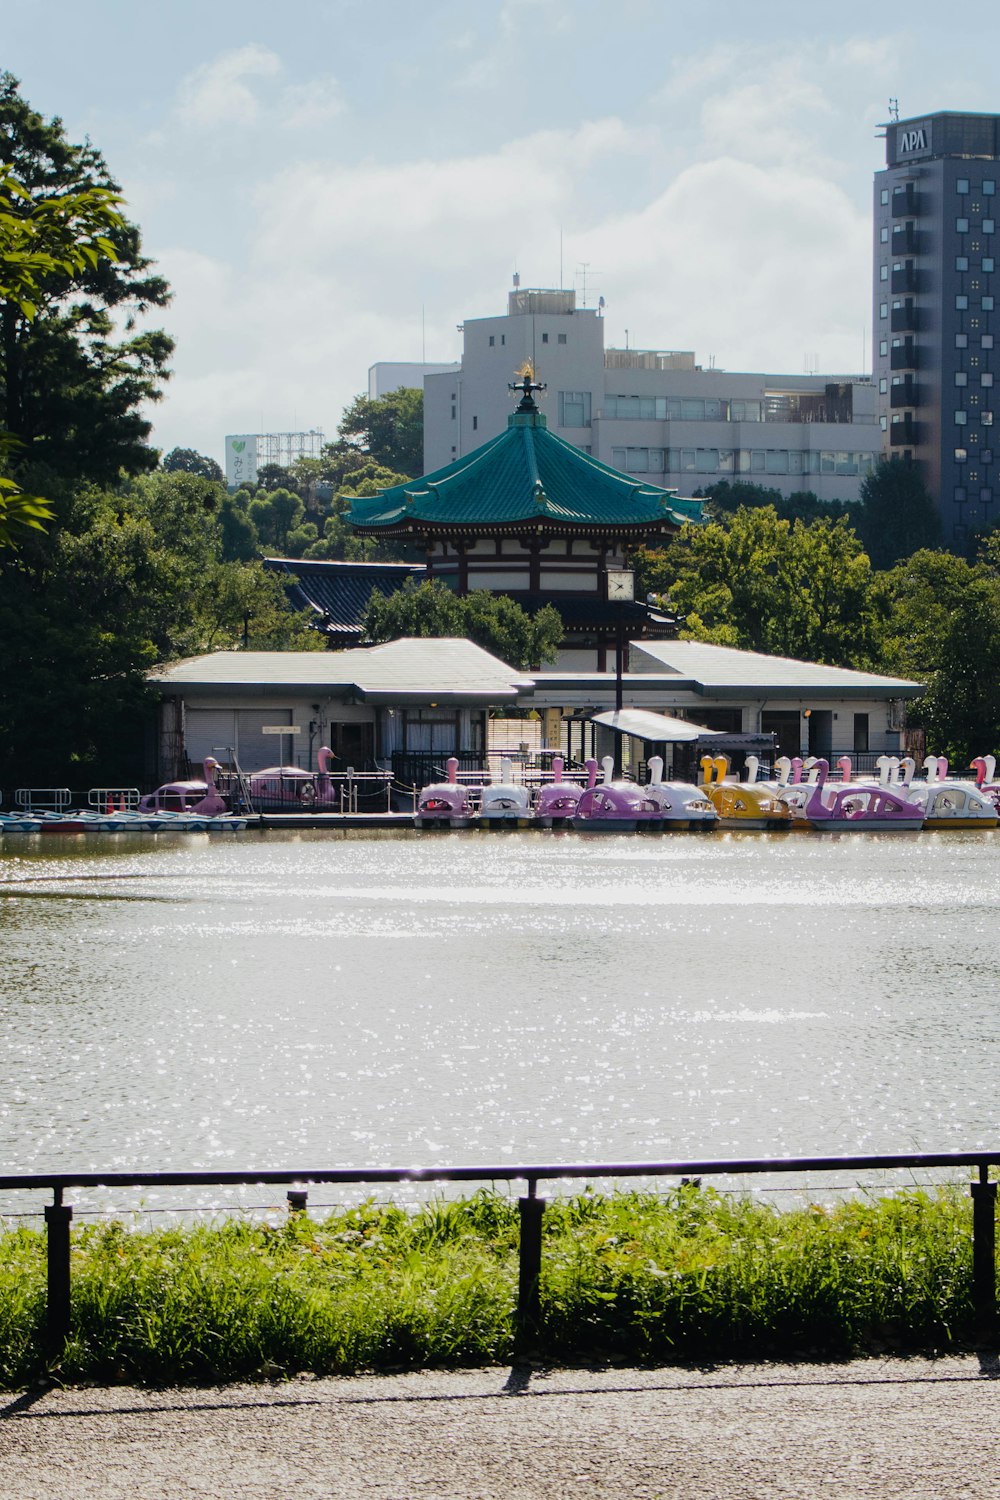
(327, 1000)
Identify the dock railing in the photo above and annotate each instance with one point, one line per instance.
(528, 1311)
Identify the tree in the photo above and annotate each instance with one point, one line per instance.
(388, 429)
(897, 516)
(188, 461)
(770, 585)
(495, 622)
(71, 389)
(64, 233)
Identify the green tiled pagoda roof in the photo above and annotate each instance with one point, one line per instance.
(525, 474)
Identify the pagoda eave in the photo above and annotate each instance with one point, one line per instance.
(539, 524)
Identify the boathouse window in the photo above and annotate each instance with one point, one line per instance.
(861, 734)
(432, 731)
(562, 338)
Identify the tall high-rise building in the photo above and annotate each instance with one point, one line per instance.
(935, 248)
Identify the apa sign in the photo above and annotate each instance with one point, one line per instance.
(913, 138)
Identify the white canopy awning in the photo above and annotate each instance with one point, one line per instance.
(644, 724)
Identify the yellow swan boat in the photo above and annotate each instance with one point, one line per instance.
(741, 804)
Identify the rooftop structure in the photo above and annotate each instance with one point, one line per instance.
(249, 452)
(654, 412)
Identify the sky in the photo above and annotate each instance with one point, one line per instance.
(344, 181)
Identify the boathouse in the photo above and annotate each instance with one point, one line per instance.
(533, 516)
(403, 706)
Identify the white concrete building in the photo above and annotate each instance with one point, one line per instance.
(388, 375)
(650, 411)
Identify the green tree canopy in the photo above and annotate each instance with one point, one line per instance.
(766, 584)
(897, 516)
(71, 387)
(494, 621)
(387, 429)
(189, 461)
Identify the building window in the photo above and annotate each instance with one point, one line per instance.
(962, 225)
(503, 338)
(987, 341)
(574, 408)
(987, 262)
(475, 424)
(884, 196)
(988, 226)
(986, 378)
(961, 418)
(961, 341)
(492, 340)
(960, 493)
(962, 186)
(883, 309)
(961, 262)
(986, 495)
(883, 273)
(989, 188)
(883, 235)
(961, 302)
(545, 338)
(961, 378)
(561, 338)
(883, 424)
(882, 386)
(987, 304)
(453, 411)
(986, 417)
(883, 346)
(960, 455)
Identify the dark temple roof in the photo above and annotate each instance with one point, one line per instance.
(340, 592)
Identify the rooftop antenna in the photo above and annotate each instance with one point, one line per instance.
(423, 336)
(601, 304)
(893, 109)
(517, 279)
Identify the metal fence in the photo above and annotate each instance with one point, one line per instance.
(59, 1213)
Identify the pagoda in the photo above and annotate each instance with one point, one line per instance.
(530, 515)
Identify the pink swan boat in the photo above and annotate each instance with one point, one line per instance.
(557, 800)
(279, 788)
(614, 806)
(446, 804)
(855, 806)
(985, 767)
(199, 797)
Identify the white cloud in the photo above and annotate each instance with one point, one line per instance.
(308, 105)
(218, 93)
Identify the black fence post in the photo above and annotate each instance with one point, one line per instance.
(984, 1275)
(529, 1309)
(297, 1200)
(58, 1217)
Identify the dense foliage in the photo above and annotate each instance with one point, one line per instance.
(634, 1277)
(493, 621)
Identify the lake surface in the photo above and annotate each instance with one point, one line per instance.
(311, 999)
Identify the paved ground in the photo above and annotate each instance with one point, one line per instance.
(888, 1429)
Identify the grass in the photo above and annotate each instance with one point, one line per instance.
(692, 1276)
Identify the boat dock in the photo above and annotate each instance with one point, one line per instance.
(332, 822)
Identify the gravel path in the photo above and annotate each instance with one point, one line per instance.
(876, 1428)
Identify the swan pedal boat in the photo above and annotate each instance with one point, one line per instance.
(683, 807)
(504, 803)
(946, 803)
(557, 800)
(745, 805)
(615, 806)
(446, 804)
(851, 806)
